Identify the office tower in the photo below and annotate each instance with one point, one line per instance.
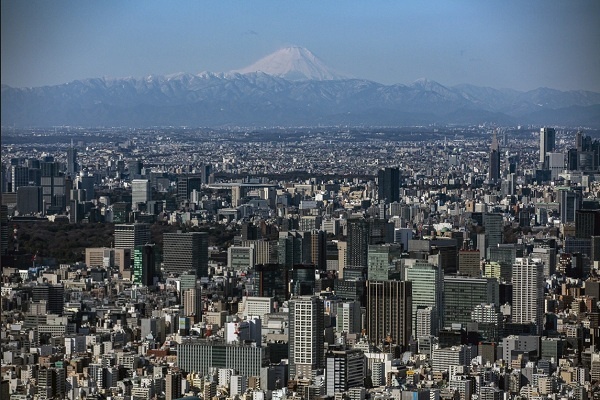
(555, 163)
(294, 248)
(318, 249)
(494, 229)
(547, 143)
(587, 223)
(528, 292)
(202, 356)
(173, 386)
(303, 279)
(53, 186)
(388, 185)
(379, 260)
(52, 294)
(250, 231)
(29, 200)
(240, 258)
(463, 294)
(87, 183)
(187, 184)
(192, 304)
(427, 289)
(349, 317)
(3, 229)
(494, 170)
(344, 370)
(306, 340)
(108, 257)
(389, 313)
(72, 167)
(135, 168)
(469, 263)
(51, 383)
(141, 192)
(19, 177)
(426, 321)
(128, 236)
(183, 252)
(144, 264)
(570, 202)
(357, 243)
(271, 280)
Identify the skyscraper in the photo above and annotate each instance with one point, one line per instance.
(306, 341)
(547, 142)
(358, 243)
(183, 252)
(427, 289)
(389, 313)
(388, 181)
(72, 161)
(528, 292)
(128, 236)
(494, 171)
(462, 294)
(144, 264)
(192, 304)
(345, 370)
(141, 192)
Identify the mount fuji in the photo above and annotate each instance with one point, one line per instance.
(294, 64)
(290, 87)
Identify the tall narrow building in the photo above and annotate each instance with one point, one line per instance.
(306, 340)
(141, 192)
(494, 170)
(358, 243)
(388, 185)
(547, 142)
(183, 252)
(389, 313)
(528, 292)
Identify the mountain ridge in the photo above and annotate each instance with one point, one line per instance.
(237, 98)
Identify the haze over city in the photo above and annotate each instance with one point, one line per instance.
(509, 44)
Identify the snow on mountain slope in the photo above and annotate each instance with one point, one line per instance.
(295, 64)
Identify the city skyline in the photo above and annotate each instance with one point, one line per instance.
(514, 45)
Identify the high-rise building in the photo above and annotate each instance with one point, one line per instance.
(306, 340)
(587, 223)
(29, 200)
(528, 292)
(144, 264)
(52, 294)
(345, 369)
(389, 313)
(128, 236)
(349, 317)
(494, 170)
(463, 294)
(72, 167)
(469, 263)
(19, 177)
(547, 142)
(357, 243)
(141, 192)
(570, 202)
(172, 386)
(427, 289)
(192, 304)
(388, 185)
(201, 356)
(183, 252)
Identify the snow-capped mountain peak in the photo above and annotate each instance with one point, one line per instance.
(293, 63)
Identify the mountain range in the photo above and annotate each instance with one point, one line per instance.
(291, 87)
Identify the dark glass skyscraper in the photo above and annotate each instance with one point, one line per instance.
(388, 188)
(494, 171)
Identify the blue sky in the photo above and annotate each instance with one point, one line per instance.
(503, 44)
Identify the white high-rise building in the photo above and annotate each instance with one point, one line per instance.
(427, 290)
(528, 292)
(349, 317)
(306, 341)
(141, 192)
(128, 236)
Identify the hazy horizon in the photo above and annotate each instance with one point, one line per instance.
(510, 44)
